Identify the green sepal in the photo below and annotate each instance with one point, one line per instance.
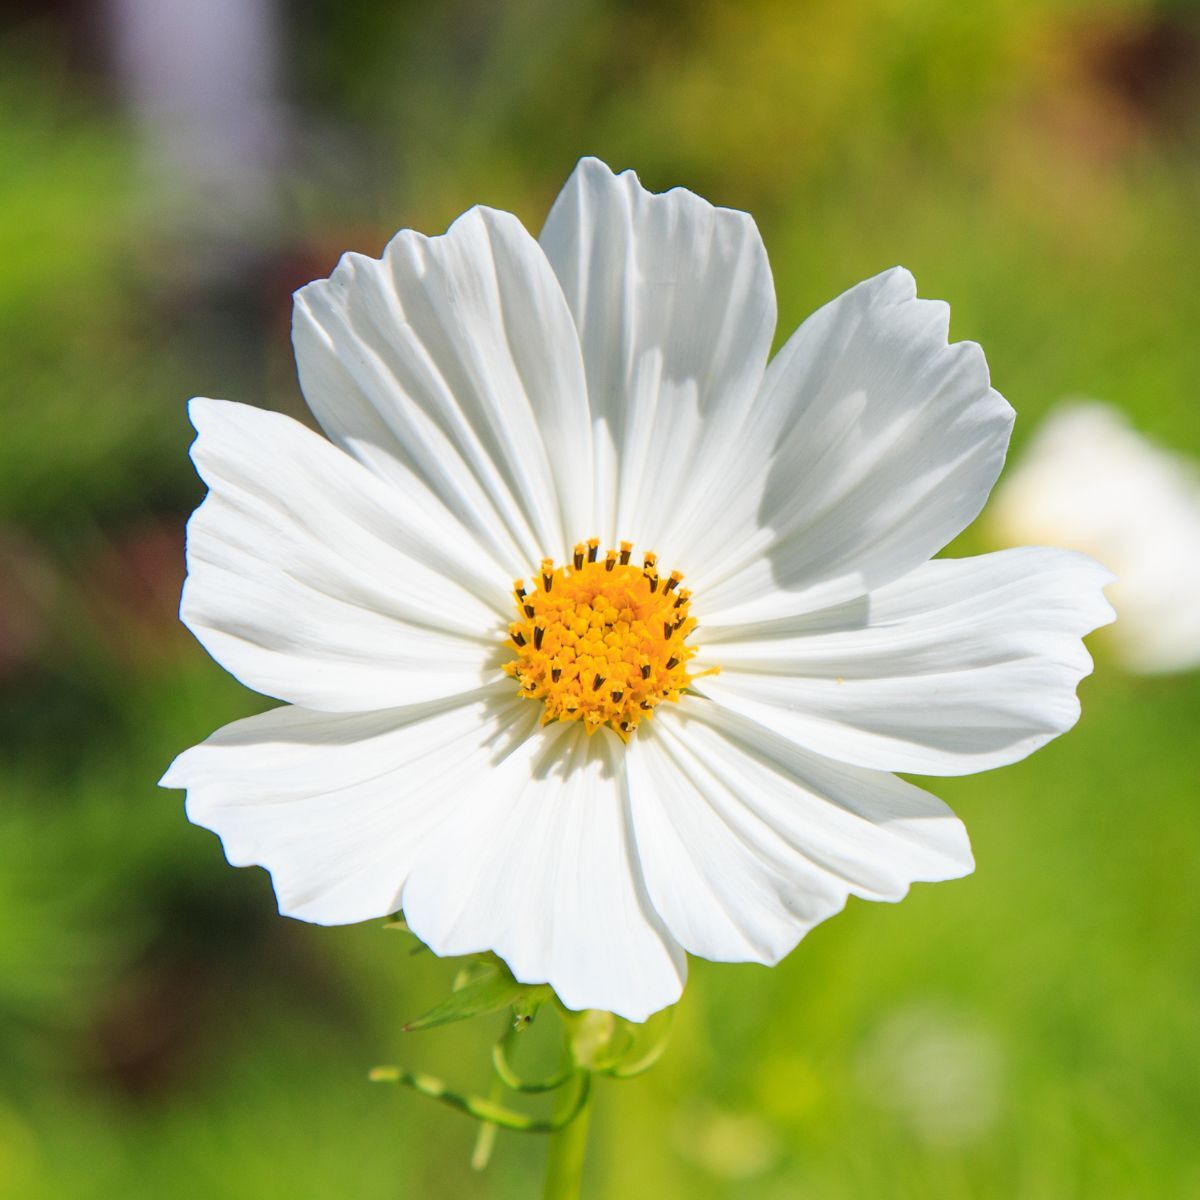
(643, 1049)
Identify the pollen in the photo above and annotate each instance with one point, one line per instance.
(601, 639)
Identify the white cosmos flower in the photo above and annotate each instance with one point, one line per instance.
(490, 402)
(1089, 481)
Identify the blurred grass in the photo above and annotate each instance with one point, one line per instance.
(1031, 1031)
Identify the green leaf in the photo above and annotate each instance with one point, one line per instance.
(488, 993)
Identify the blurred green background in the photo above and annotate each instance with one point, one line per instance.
(1033, 1031)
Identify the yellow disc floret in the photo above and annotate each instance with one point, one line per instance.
(601, 640)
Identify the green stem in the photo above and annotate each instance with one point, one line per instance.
(564, 1162)
(485, 1139)
(487, 1110)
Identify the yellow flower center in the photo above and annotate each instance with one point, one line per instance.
(601, 641)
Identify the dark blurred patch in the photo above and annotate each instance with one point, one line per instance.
(76, 26)
(58, 716)
(220, 959)
(27, 587)
(78, 622)
(1149, 63)
(131, 588)
(303, 262)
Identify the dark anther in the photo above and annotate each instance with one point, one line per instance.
(617, 696)
(529, 611)
(668, 629)
(520, 593)
(578, 560)
(610, 561)
(556, 673)
(626, 727)
(653, 582)
(672, 663)
(672, 584)
(647, 705)
(645, 670)
(519, 638)
(625, 553)
(597, 682)
(593, 550)
(681, 600)
(547, 582)
(538, 634)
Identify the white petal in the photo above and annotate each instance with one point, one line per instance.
(891, 440)
(543, 872)
(452, 368)
(313, 581)
(676, 310)
(962, 665)
(748, 841)
(337, 806)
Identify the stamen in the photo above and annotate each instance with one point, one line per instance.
(601, 641)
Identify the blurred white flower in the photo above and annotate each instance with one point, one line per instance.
(1088, 481)
(553, 770)
(203, 84)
